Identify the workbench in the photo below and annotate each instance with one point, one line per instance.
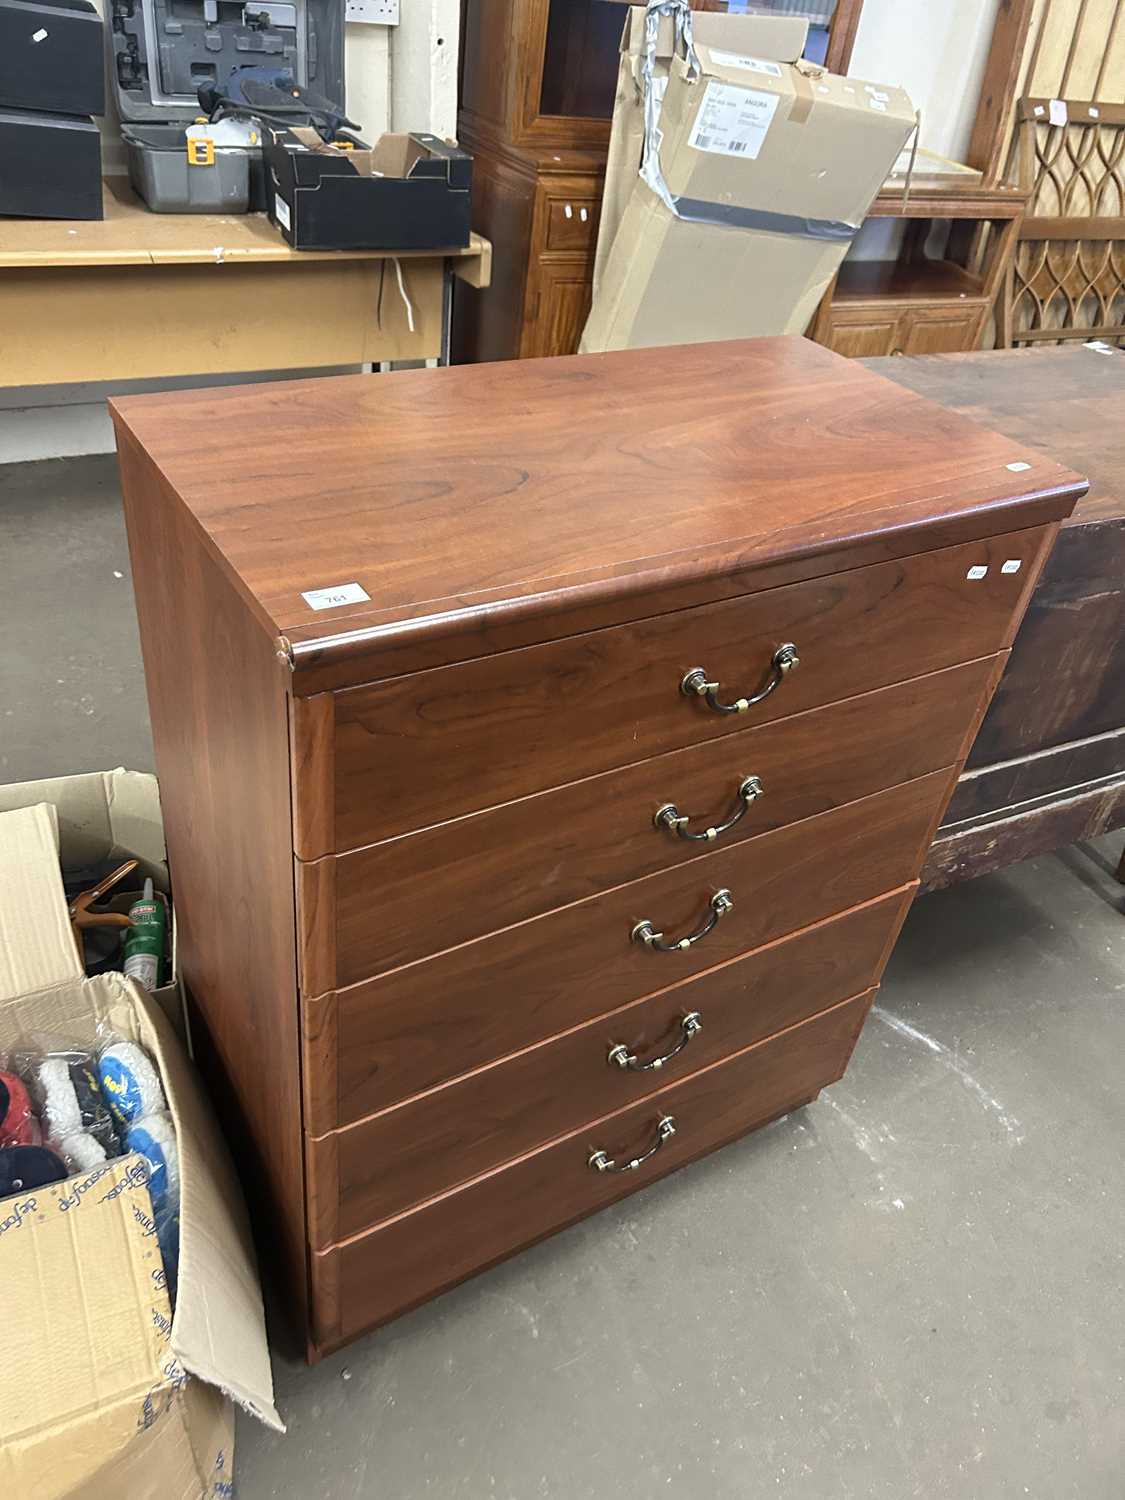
(139, 295)
(1048, 765)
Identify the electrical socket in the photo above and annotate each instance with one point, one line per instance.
(372, 12)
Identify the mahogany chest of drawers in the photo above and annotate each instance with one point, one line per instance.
(548, 753)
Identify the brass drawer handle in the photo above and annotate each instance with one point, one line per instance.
(670, 817)
(690, 1026)
(695, 684)
(665, 1129)
(644, 932)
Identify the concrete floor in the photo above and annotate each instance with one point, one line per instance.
(914, 1287)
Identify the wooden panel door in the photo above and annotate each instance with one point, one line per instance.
(941, 330)
(561, 303)
(861, 332)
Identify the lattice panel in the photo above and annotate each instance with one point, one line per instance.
(1079, 171)
(1065, 289)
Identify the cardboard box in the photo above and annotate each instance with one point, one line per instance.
(111, 816)
(407, 192)
(776, 38)
(103, 1392)
(755, 176)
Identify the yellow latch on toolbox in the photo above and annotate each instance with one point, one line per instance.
(200, 151)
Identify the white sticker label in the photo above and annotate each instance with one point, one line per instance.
(976, 572)
(1013, 565)
(733, 121)
(1095, 114)
(877, 104)
(343, 593)
(281, 211)
(1020, 468)
(1038, 109)
(40, 35)
(876, 93)
(747, 64)
(1056, 112)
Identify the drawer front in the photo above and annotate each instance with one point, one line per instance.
(373, 1044)
(417, 750)
(572, 223)
(461, 880)
(383, 1165)
(391, 1269)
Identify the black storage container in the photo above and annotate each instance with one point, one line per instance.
(407, 192)
(50, 166)
(51, 56)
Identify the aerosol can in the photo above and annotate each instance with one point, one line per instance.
(144, 941)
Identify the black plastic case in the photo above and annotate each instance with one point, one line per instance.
(51, 56)
(50, 166)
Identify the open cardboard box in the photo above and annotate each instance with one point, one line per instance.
(748, 178)
(103, 1392)
(407, 192)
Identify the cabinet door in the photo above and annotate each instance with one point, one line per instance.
(941, 330)
(862, 332)
(558, 309)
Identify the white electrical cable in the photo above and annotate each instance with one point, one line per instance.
(403, 292)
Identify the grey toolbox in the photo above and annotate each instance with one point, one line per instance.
(164, 51)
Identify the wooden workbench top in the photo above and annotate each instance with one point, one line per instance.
(130, 235)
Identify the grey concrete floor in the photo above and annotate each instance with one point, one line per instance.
(913, 1287)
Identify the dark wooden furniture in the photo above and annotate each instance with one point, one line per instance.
(919, 303)
(460, 857)
(538, 79)
(1048, 765)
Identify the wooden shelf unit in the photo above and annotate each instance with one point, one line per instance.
(919, 303)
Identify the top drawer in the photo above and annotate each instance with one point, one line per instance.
(412, 751)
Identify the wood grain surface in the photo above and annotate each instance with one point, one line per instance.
(398, 901)
(382, 1165)
(383, 1273)
(417, 750)
(430, 1021)
(222, 749)
(475, 487)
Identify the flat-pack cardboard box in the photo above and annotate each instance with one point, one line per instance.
(772, 38)
(755, 175)
(103, 1391)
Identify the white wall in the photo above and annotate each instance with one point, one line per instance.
(936, 50)
(397, 78)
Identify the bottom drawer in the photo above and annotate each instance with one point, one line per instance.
(380, 1166)
(388, 1270)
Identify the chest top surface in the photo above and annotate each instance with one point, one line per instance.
(444, 491)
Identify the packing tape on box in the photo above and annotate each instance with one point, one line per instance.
(699, 210)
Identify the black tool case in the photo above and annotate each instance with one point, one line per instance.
(51, 56)
(50, 165)
(164, 51)
(407, 192)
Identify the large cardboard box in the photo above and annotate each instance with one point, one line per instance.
(755, 175)
(103, 1392)
(774, 38)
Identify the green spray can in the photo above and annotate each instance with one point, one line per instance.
(144, 941)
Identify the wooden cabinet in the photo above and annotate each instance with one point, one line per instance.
(547, 768)
(920, 303)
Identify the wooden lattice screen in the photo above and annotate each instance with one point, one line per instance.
(1052, 120)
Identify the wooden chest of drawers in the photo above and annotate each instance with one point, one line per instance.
(548, 753)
